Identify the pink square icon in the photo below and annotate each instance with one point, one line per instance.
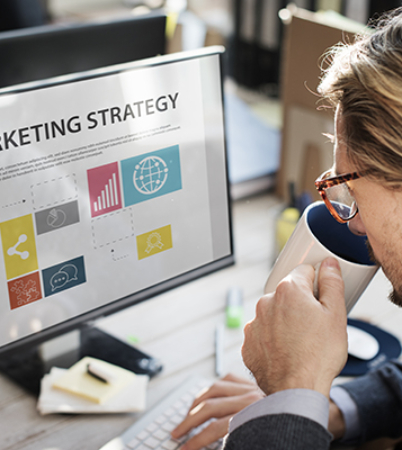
(104, 189)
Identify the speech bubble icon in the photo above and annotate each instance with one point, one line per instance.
(58, 280)
(71, 270)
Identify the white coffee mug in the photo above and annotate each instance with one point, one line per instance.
(318, 235)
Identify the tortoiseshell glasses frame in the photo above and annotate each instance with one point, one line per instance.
(335, 192)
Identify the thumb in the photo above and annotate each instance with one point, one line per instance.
(330, 283)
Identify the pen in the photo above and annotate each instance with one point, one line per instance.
(219, 330)
(99, 373)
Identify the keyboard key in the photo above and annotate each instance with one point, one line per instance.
(152, 427)
(161, 435)
(168, 426)
(181, 440)
(170, 445)
(133, 443)
(183, 412)
(152, 442)
(187, 398)
(152, 431)
(176, 419)
(178, 405)
(142, 435)
(161, 419)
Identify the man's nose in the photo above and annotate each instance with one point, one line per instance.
(356, 226)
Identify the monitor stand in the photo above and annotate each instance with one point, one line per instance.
(27, 367)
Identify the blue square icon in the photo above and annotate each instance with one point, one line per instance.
(63, 276)
(151, 175)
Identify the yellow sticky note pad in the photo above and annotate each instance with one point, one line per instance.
(79, 382)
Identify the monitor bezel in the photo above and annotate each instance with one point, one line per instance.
(56, 39)
(117, 305)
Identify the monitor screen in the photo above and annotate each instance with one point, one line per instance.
(52, 50)
(113, 188)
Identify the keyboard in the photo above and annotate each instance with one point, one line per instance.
(152, 429)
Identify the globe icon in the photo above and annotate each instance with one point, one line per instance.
(150, 174)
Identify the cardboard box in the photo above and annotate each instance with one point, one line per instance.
(204, 35)
(305, 152)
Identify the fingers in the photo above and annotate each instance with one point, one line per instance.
(293, 331)
(213, 432)
(211, 408)
(298, 284)
(224, 388)
(215, 408)
(235, 378)
(330, 283)
(197, 416)
(221, 401)
(229, 386)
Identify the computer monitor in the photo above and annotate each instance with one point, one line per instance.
(47, 51)
(113, 188)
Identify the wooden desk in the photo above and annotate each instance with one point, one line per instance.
(177, 327)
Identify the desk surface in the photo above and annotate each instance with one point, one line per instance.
(177, 327)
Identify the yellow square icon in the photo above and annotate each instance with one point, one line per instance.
(155, 241)
(19, 248)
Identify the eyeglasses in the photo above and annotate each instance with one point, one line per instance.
(336, 194)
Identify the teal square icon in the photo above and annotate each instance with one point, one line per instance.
(151, 175)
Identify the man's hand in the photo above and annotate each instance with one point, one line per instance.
(221, 401)
(295, 340)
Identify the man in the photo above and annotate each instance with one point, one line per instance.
(297, 345)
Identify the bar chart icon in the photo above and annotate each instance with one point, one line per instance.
(104, 189)
(108, 195)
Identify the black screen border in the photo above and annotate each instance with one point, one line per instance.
(117, 305)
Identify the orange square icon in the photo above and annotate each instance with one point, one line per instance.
(24, 290)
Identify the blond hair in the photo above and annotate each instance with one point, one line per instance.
(364, 80)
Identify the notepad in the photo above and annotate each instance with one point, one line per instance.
(132, 398)
(78, 381)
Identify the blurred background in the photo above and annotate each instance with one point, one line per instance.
(274, 132)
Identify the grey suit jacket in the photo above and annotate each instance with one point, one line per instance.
(279, 432)
(378, 396)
